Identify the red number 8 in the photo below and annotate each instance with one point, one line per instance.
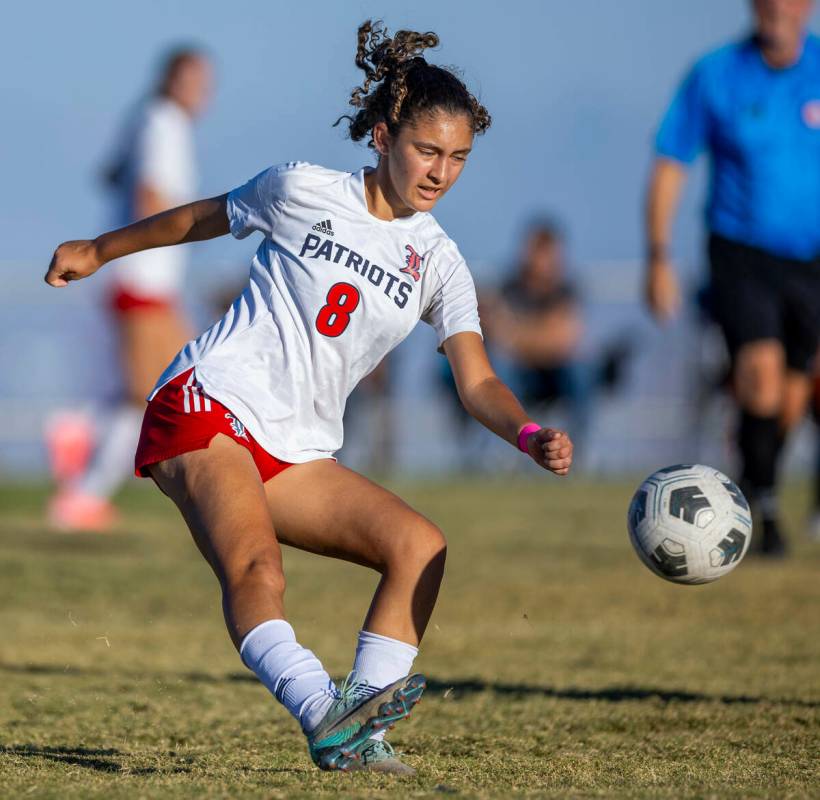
(333, 318)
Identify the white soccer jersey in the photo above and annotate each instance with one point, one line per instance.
(157, 150)
(332, 290)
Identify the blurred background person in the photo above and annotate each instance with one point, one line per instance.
(153, 169)
(534, 323)
(535, 329)
(813, 526)
(754, 106)
(370, 422)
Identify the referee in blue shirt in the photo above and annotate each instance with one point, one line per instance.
(754, 106)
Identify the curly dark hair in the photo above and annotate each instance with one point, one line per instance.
(399, 84)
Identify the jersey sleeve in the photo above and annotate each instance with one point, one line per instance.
(684, 128)
(254, 206)
(453, 307)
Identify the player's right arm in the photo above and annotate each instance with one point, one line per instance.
(194, 222)
(661, 284)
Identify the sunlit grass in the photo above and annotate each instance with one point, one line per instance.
(559, 666)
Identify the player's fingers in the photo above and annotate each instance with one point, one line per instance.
(562, 447)
(559, 463)
(54, 277)
(554, 445)
(550, 436)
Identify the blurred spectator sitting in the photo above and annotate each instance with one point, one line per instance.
(533, 325)
(534, 321)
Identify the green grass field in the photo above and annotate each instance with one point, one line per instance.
(558, 665)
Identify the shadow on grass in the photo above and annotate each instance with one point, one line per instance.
(107, 760)
(97, 759)
(100, 760)
(608, 694)
(455, 689)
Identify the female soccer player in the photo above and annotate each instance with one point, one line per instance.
(241, 427)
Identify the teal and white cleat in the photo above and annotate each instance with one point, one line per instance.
(342, 737)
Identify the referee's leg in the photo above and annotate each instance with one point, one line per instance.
(760, 388)
(749, 296)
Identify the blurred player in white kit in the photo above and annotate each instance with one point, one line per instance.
(153, 169)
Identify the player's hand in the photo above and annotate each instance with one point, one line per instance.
(72, 261)
(662, 290)
(551, 449)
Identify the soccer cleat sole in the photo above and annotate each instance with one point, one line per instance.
(344, 757)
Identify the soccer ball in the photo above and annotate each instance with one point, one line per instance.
(689, 523)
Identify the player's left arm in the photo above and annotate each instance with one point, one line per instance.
(194, 222)
(491, 402)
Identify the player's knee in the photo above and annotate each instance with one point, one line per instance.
(761, 395)
(416, 545)
(260, 570)
(759, 378)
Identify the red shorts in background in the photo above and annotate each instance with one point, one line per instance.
(124, 301)
(182, 418)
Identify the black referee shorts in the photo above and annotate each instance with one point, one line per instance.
(755, 295)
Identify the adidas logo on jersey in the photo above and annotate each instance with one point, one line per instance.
(324, 227)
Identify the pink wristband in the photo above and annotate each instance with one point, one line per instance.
(524, 434)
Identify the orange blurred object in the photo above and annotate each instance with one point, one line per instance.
(71, 511)
(69, 441)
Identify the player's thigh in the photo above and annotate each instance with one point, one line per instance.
(220, 494)
(802, 316)
(151, 337)
(745, 297)
(325, 508)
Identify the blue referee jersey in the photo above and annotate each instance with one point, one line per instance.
(761, 127)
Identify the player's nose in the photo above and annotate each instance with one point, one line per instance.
(437, 173)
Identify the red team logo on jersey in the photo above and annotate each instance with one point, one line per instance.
(414, 261)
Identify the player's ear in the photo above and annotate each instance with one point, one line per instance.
(381, 138)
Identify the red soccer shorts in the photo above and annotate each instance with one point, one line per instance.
(182, 418)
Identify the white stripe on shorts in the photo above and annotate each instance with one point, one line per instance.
(186, 390)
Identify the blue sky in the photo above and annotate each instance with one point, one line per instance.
(575, 89)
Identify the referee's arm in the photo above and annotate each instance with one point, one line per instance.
(681, 136)
(662, 292)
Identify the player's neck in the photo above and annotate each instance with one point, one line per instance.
(382, 200)
(178, 102)
(782, 54)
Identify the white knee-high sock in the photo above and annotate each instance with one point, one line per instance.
(292, 674)
(113, 460)
(381, 660)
